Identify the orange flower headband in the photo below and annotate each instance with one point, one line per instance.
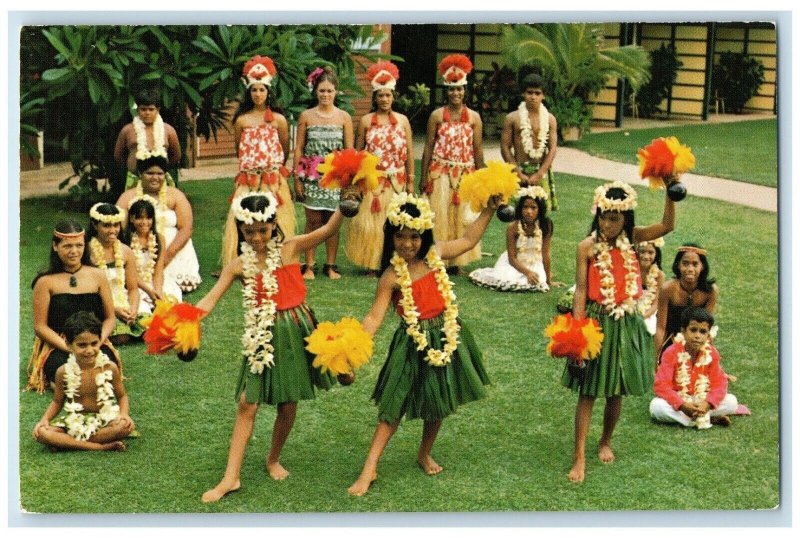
(454, 69)
(259, 70)
(383, 75)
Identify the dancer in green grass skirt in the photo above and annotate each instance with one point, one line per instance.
(608, 284)
(433, 364)
(276, 368)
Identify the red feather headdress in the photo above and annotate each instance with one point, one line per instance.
(383, 75)
(454, 68)
(259, 69)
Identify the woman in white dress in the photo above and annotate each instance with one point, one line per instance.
(525, 266)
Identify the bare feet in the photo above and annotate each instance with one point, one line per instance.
(722, 420)
(276, 470)
(309, 274)
(221, 489)
(578, 471)
(605, 453)
(119, 446)
(331, 271)
(429, 465)
(361, 485)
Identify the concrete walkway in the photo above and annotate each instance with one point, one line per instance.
(568, 160)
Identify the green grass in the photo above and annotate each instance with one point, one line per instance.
(510, 451)
(744, 151)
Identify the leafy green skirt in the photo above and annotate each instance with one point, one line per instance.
(291, 378)
(625, 365)
(408, 385)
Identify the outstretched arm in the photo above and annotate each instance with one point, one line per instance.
(300, 243)
(383, 296)
(473, 234)
(229, 273)
(654, 231)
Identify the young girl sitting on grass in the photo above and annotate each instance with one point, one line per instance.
(608, 285)
(276, 368)
(433, 365)
(525, 266)
(89, 410)
(652, 279)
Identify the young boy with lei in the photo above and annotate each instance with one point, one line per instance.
(530, 138)
(525, 265)
(90, 409)
(433, 364)
(116, 259)
(649, 253)
(607, 287)
(690, 387)
(146, 136)
(276, 368)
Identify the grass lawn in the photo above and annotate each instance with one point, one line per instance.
(744, 150)
(510, 451)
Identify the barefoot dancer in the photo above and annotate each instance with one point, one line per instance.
(608, 284)
(433, 364)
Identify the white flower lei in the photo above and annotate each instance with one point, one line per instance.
(79, 425)
(649, 293)
(404, 220)
(145, 258)
(248, 217)
(526, 131)
(537, 239)
(161, 208)
(259, 319)
(533, 191)
(604, 264)
(159, 135)
(118, 291)
(701, 385)
(436, 357)
(607, 204)
(119, 216)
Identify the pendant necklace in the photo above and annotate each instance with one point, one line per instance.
(73, 280)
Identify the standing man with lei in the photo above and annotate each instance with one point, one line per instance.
(387, 135)
(530, 139)
(454, 147)
(147, 136)
(433, 364)
(262, 143)
(607, 286)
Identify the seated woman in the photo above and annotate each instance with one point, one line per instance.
(174, 221)
(649, 253)
(70, 284)
(116, 260)
(689, 287)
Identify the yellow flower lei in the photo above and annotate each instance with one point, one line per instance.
(701, 385)
(145, 258)
(159, 135)
(399, 218)
(259, 319)
(436, 357)
(161, 209)
(79, 425)
(526, 131)
(649, 293)
(98, 255)
(602, 253)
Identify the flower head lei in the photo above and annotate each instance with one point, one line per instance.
(159, 137)
(78, 425)
(534, 191)
(105, 219)
(657, 243)
(259, 70)
(312, 77)
(248, 217)
(383, 75)
(436, 357)
(607, 204)
(397, 217)
(259, 308)
(526, 131)
(701, 385)
(454, 69)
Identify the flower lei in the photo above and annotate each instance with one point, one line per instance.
(248, 217)
(604, 264)
(436, 357)
(537, 239)
(80, 426)
(118, 291)
(159, 136)
(701, 385)
(607, 204)
(526, 131)
(145, 258)
(259, 318)
(399, 218)
(161, 217)
(105, 219)
(649, 293)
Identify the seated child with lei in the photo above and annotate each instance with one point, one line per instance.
(691, 388)
(525, 266)
(90, 407)
(649, 253)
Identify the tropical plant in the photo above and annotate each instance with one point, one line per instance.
(736, 78)
(664, 65)
(415, 101)
(573, 59)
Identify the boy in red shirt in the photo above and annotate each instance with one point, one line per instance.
(690, 386)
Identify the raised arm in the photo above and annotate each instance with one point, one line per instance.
(456, 247)
(582, 259)
(300, 243)
(383, 296)
(654, 231)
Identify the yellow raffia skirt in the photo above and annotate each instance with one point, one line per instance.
(285, 216)
(448, 222)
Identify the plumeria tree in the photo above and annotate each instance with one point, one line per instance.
(575, 60)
